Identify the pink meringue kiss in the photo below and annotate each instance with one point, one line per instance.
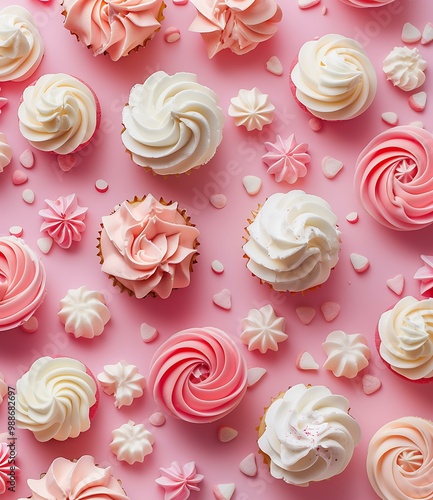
(394, 178)
(198, 375)
(22, 282)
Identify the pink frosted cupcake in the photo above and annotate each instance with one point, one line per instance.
(148, 247)
(22, 287)
(56, 399)
(115, 27)
(238, 25)
(198, 375)
(404, 339)
(82, 477)
(59, 114)
(394, 178)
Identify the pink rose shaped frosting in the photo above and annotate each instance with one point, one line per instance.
(148, 247)
(394, 177)
(198, 375)
(400, 459)
(63, 220)
(22, 282)
(80, 480)
(113, 27)
(367, 3)
(238, 25)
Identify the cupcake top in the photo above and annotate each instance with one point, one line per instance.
(148, 246)
(76, 479)
(54, 399)
(22, 288)
(5, 152)
(406, 338)
(58, 113)
(308, 435)
(400, 459)
(238, 25)
(367, 3)
(394, 178)
(113, 27)
(198, 375)
(21, 45)
(293, 241)
(172, 123)
(334, 78)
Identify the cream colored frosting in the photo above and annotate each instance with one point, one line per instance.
(84, 312)
(172, 123)
(348, 354)
(334, 78)
(3, 388)
(122, 380)
(262, 329)
(113, 27)
(77, 480)
(5, 152)
(405, 67)
(400, 459)
(54, 399)
(293, 241)
(309, 435)
(21, 45)
(252, 109)
(131, 442)
(58, 113)
(22, 288)
(238, 25)
(148, 247)
(406, 335)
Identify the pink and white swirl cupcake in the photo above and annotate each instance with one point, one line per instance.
(367, 3)
(22, 282)
(238, 25)
(198, 375)
(113, 27)
(394, 178)
(400, 459)
(148, 247)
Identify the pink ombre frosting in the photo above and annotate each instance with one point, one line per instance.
(64, 220)
(400, 459)
(80, 480)
(394, 177)
(367, 3)
(148, 246)
(113, 27)
(22, 282)
(198, 375)
(238, 25)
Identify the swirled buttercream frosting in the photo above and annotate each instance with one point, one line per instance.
(394, 178)
(84, 312)
(406, 338)
(77, 480)
(55, 399)
(21, 45)
(334, 78)
(58, 113)
(405, 67)
(5, 152)
(198, 375)
(113, 27)
(293, 241)
(400, 459)
(22, 282)
(148, 247)
(238, 25)
(367, 3)
(307, 435)
(172, 123)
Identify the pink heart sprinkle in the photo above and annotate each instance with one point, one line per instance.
(223, 299)
(19, 177)
(305, 314)
(248, 466)
(370, 383)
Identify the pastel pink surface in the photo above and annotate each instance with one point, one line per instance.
(362, 297)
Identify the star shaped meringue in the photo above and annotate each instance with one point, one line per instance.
(178, 481)
(262, 329)
(252, 109)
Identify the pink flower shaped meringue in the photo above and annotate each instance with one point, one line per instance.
(286, 159)
(7, 466)
(63, 220)
(425, 275)
(178, 481)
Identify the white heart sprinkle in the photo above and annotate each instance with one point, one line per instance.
(45, 244)
(410, 33)
(218, 200)
(27, 159)
(370, 383)
(359, 262)
(248, 465)
(252, 184)
(396, 284)
(224, 491)
(254, 375)
(390, 118)
(417, 123)
(306, 361)
(148, 333)
(226, 433)
(28, 196)
(306, 4)
(274, 66)
(427, 34)
(331, 166)
(418, 101)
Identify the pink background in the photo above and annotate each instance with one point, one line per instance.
(362, 297)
